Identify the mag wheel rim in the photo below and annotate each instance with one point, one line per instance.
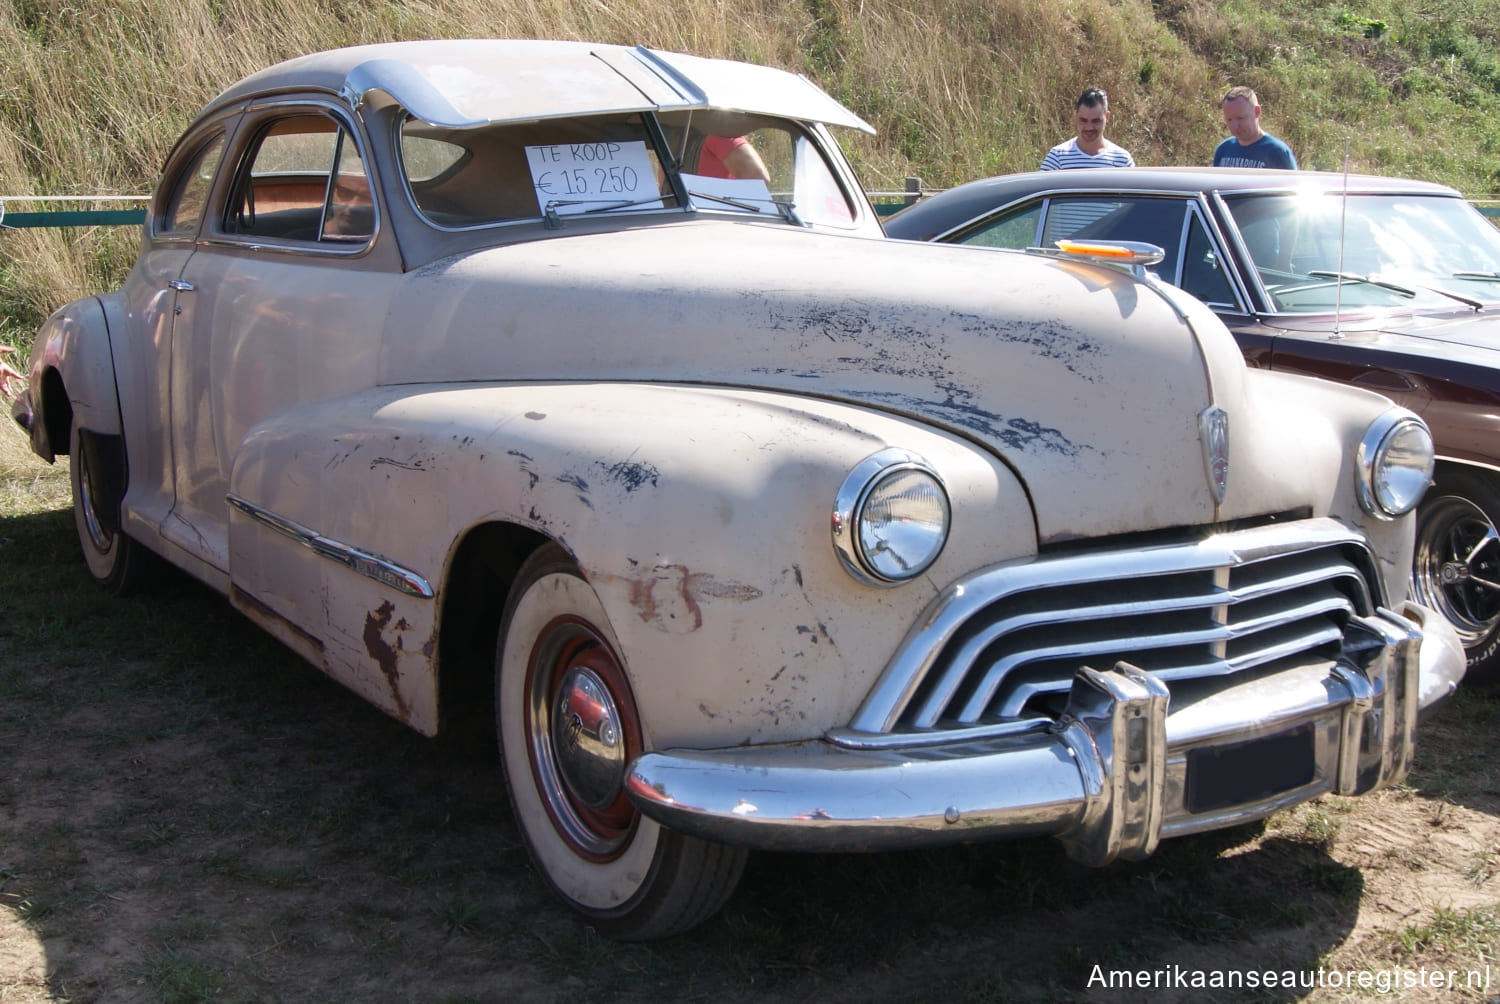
(1457, 567)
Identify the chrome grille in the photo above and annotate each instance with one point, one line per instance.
(996, 645)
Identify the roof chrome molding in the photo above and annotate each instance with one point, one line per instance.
(679, 81)
(417, 95)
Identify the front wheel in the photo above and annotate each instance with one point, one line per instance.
(568, 731)
(114, 560)
(1456, 565)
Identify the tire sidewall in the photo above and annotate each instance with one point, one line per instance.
(545, 590)
(104, 563)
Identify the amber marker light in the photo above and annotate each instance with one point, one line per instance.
(1116, 252)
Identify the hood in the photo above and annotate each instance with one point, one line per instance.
(1088, 383)
(1466, 336)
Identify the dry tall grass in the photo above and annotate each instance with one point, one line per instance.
(93, 93)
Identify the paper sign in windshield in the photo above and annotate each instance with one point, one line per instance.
(577, 177)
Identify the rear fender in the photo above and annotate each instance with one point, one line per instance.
(700, 516)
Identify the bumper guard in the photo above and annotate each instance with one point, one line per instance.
(1109, 778)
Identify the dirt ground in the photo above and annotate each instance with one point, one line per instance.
(189, 813)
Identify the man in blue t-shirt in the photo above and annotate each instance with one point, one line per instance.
(1249, 145)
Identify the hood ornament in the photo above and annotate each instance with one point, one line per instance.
(1213, 428)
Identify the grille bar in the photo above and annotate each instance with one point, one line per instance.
(1232, 602)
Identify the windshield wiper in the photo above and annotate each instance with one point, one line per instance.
(622, 204)
(1319, 273)
(1467, 301)
(783, 207)
(1487, 276)
(736, 203)
(554, 219)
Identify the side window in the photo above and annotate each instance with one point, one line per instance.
(187, 192)
(1203, 268)
(1146, 219)
(304, 181)
(1015, 230)
(350, 212)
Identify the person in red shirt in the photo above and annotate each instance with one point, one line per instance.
(731, 157)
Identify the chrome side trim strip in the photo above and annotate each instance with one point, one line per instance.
(372, 566)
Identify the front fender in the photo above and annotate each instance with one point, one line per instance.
(701, 516)
(71, 377)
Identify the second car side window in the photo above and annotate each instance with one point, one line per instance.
(1015, 230)
(1203, 269)
(305, 182)
(1120, 218)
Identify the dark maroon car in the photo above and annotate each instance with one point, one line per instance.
(1383, 283)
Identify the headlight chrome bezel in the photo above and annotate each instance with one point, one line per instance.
(850, 510)
(1390, 432)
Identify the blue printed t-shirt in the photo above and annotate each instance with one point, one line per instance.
(1268, 151)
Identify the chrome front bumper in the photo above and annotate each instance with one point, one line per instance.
(1109, 778)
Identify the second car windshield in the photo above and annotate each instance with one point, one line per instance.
(1315, 251)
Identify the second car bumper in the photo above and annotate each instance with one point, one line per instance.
(1110, 777)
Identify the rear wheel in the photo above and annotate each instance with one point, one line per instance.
(1456, 567)
(568, 732)
(114, 560)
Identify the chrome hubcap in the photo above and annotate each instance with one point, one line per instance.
(1457, 567)
(582, 733)
(586, 738)
(99, 536)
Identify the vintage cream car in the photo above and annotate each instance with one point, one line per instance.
(578, 381)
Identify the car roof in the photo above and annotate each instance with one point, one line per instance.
(945, 210)
(463, 82)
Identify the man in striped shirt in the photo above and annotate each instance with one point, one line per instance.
(1089, 148)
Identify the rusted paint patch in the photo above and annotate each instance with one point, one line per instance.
(385, 654)
(671, 597)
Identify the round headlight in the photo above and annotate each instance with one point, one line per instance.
(1395, 464)
(890, 519)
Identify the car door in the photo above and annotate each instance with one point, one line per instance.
(281, 306)
(143, 348)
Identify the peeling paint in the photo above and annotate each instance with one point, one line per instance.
(578, 483)
(406, 465)
(671, 597)
(532, 477)
(632, 474)
(385, 654)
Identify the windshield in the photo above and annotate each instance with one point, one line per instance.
(709, 161)
(1319, 251)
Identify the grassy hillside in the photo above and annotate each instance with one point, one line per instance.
(93, 93)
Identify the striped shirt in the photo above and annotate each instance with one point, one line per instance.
(1065, 156)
